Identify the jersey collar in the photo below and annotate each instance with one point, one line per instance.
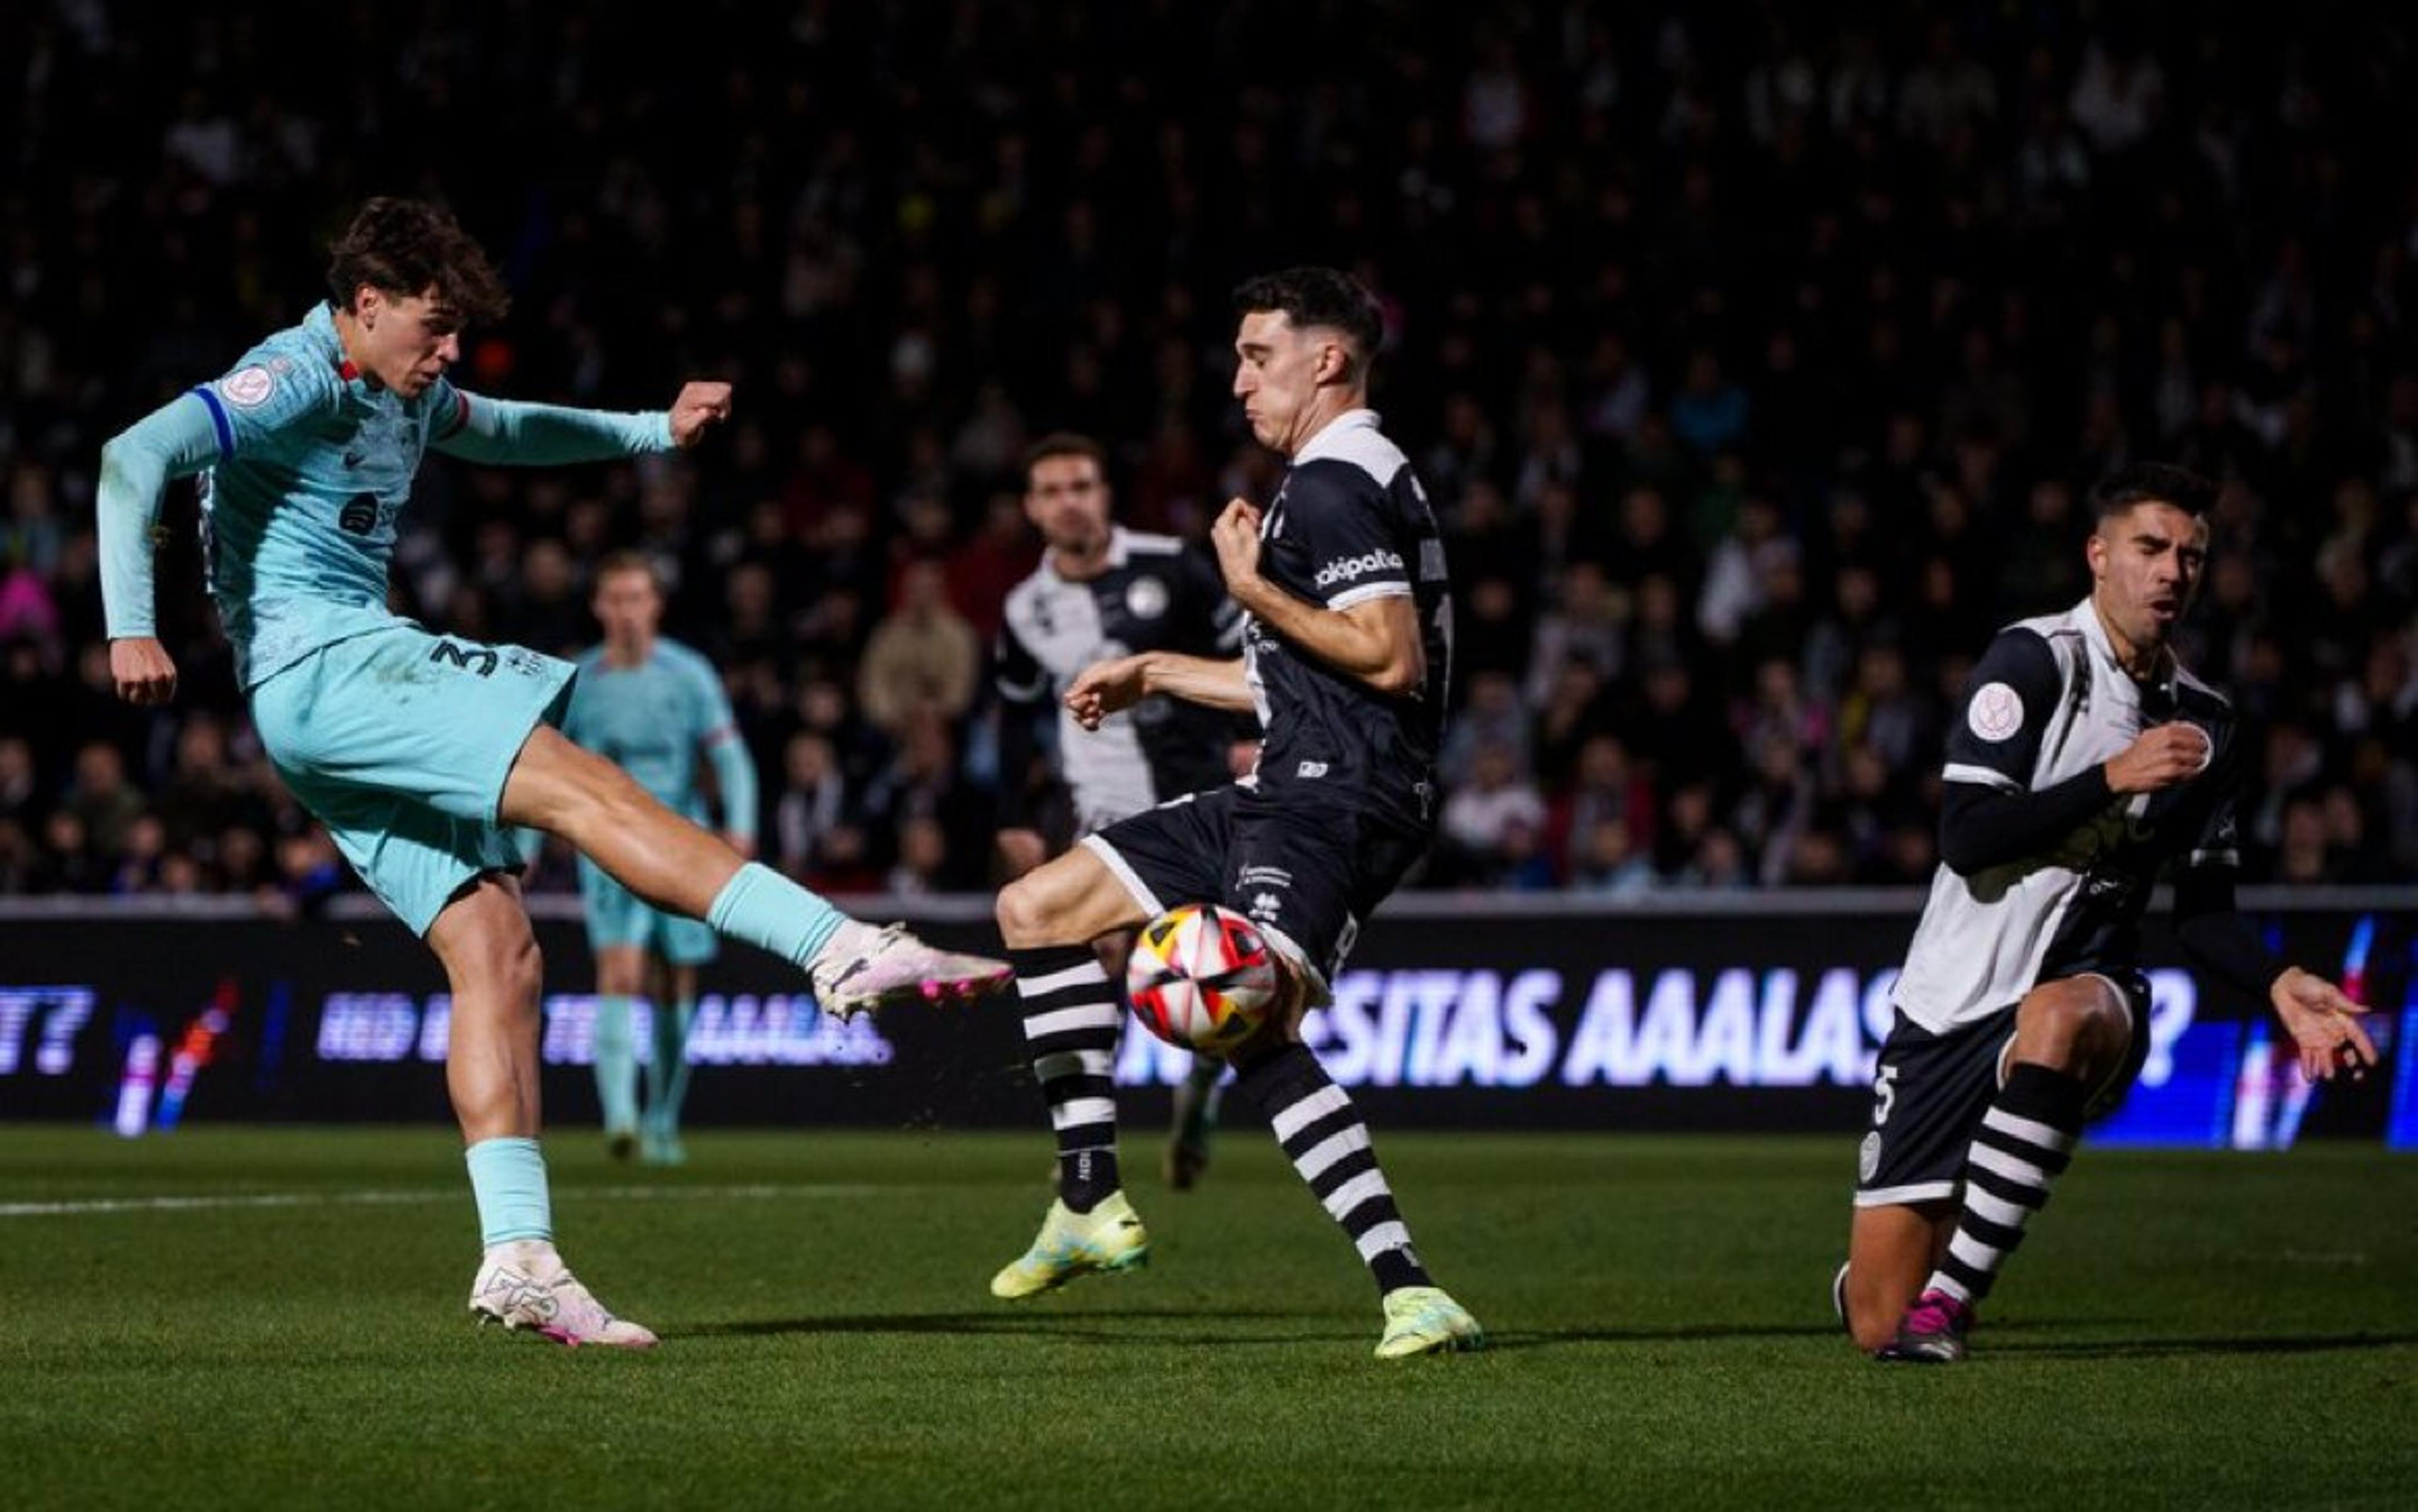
(1331, 437)
(319, 329)
(2103, 651)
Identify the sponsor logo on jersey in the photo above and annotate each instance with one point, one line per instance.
(1352, 569)
(248, 386)
(1310, 769)
(1996, 713)
(360, 516)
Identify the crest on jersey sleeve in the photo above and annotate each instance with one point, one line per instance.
(248, 387)
(1996, 713)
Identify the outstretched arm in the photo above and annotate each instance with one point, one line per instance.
(175, 440)
(507, 430)
(1104, 687)
(2322, 1022)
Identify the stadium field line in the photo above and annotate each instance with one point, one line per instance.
(81, 1206)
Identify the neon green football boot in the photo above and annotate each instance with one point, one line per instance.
(1424, 1320)
(1108, 1238)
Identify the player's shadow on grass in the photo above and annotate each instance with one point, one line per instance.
(1678, 1334)
(1082, 1327)
(2152, 1348)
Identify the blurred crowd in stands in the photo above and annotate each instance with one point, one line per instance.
(1758, 365)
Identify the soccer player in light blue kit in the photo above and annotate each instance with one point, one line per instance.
(650, 704)
(421, 753)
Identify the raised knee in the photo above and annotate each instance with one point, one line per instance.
(1023, 917)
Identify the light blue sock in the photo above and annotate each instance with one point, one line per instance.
(667, 1073)
(508, 1177)
(766, 909)
(617, 1066)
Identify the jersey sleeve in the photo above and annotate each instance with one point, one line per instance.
(477, 428)
(265, 396)
(1343, 522)
(2007, 701)
(1017, 673)
(717, 730)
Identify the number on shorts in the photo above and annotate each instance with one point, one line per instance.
(1883, 1094)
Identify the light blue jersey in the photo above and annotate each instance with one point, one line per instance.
(400, 741)
(653, 719)
(307, 465)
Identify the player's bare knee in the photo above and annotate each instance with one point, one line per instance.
(1023, 913)
(2073, 1031)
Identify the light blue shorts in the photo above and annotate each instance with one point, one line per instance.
(400, 741)
(617, 916)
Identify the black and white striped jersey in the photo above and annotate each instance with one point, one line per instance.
(1156, 594)
(2047, 702)
(1351, 522)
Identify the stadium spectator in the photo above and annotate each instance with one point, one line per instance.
(2042, 239)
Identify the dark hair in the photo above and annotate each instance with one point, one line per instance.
(2152, 482)
(1065, 444)
(406, 247)
(1310, 297)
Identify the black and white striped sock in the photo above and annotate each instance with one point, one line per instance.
(1071, 1016)
(2026, 1141)
(1321, 1131)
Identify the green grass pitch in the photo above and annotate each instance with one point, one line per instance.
(2181, 1330)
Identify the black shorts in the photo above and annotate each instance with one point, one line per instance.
(1307, 874)
(1930, 1092)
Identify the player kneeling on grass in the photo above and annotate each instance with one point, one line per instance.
(419, 753)
(2085, 759)
(1345, 660)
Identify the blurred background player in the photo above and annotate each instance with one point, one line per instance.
(1103, 591)
(421, 753)
(1346, 657)
(2086, 758)
(648, 705)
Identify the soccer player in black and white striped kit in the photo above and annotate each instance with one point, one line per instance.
(1346, 659)
(2084, 761)
(1103, 591)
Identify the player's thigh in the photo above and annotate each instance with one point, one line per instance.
(401, 711)
(413, 858)
(1126, 875)
(1930, 1091)
(1308, 876)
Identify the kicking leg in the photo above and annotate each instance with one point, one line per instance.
(1891, 1250)
(491, 958)
(558, 787)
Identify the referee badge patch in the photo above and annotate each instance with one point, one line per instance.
(1996, 713)
(1867, 1156)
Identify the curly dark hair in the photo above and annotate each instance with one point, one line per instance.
(406, 247)
(1310, 297)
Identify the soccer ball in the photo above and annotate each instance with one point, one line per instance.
(1201, 977)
